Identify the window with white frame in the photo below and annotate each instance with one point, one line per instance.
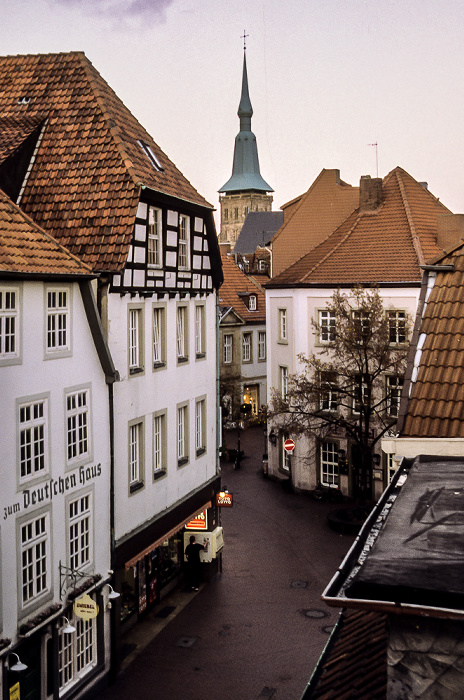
(328, 393)
(252, 305)
(362, 322)
(360, 393)
(159, 444)
(182, 434)
(154, 257)
(183, 244)
(57, 320)
(182, 334)
(397, 327)
(326, 326)
(200, 335)
(135, 341)
(261, 345)
(78, 424)
(285, 457)
(283, 330)
(228, 348)
(35, 553)
(283, 381)
(200, 426)
(33, 439)
(329, 463)
(135, 455)
(394, 391)
(9, 323)
(159, 336)
(80, 531)
(246, 347)
(77, 652)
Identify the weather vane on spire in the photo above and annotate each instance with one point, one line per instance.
(244, 37)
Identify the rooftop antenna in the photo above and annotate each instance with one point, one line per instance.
(376, 146)
(244, 37)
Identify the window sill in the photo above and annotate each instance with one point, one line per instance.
(181, 360)
(135, 370)
(182, 461)
(159, 473)
(200, 355)
(200, 451)
(133, 488)
(159, 365)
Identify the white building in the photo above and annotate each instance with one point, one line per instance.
(55, 465)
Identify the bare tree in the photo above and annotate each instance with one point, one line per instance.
(352, 386)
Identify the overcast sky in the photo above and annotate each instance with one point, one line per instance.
(327, 78)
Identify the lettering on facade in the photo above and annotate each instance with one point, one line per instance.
(55, 487)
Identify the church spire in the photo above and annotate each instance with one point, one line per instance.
(245, 170)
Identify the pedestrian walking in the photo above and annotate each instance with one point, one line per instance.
(192, 552)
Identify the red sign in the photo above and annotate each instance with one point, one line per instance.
(224, 499)
(289, 445)
(198, 523)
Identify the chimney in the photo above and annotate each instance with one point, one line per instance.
(450, 230)
(370, 193)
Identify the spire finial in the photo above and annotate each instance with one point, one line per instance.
(244, 37)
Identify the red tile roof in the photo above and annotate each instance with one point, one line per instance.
(383, 246)
(436, 406)
(27, 249)
(236, 289)
(89, 169)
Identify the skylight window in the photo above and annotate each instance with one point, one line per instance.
(150, 155)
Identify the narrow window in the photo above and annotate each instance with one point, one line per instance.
(200, 418)
(159, 461)
(228, 347)
(135, 454)
(33, 439)
(326, 327)
(200, 330)
(57, 320)
(246, 347)
(283, 325)
(181, 338)
(397, 327)
(182, 435)
(183, 251)
(394, 391)
(35, 570)
(77, 416)
(79, 517)
(154, 237)
(77, 652)
(9, 327)
(135, 341)
(159, 331)
(261, 345)
(283, 381)
(329, 463)
(252, 303)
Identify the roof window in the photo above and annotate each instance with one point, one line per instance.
(150, 155)
(24, 100)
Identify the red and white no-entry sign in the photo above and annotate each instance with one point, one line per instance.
(289, 445)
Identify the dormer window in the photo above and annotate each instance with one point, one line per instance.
(252, 302)
(150, 155)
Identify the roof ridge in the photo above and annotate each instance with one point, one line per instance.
(303, 198)
(415, 238)
(111, 123)
(336, 247)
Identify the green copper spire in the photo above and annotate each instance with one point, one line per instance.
(245, 169)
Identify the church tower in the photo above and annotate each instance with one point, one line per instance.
(246, 190)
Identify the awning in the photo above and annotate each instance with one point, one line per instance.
(166, 536)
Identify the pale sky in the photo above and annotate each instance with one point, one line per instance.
(326, 77)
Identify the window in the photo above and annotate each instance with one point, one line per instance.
(159, 444)
(135, 341)
(235, 213)
(285, 457)
(326, 327)
(154, 237)
(183, 243)
(246, 347)
(329, 463)
(79, 523)
(261, 345)
(392, 466)
(228, 348)
(283, 337)
(362, 323)
(150, 155)
(394, 391)
(226, 214)
(360, 394)
(328, 397)
(159, 337)
(252, 306)
(182, 338)
(200, 426)
(34, 558)
(397, 327)
(9, 323)
(200, 336)
(77, 652)
(135, 456)
(57, 320)
(283, 381)
(77, 417)
(33, 439)
(182, 435)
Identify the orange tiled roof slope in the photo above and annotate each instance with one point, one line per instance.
(89, 167)
(310, 218)
(354, 664)
(237, 282)
(436, 406)
(27, 249)
(374, 247)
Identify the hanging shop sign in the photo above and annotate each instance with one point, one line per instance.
(15, 692)
(198, 522)
(224, 499)
(85, 607)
